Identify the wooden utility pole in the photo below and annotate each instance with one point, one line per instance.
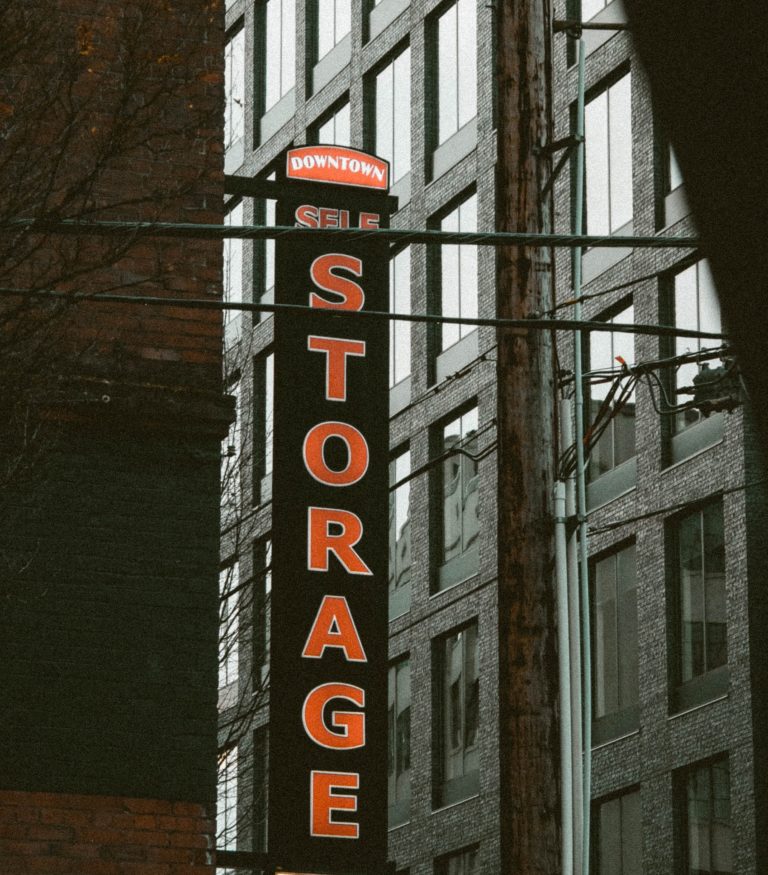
(527, 644)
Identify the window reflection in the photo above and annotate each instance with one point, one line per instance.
(708, 819)
(460, 701)
(460, 487)
(400, 536)
(399, 740)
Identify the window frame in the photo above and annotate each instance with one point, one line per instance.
(595, 844)
(681, 783)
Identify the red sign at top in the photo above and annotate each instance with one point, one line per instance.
(338, 165)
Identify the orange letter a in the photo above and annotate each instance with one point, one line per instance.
(334, 627)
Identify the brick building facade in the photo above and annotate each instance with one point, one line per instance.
(674, 785)
(112, 424)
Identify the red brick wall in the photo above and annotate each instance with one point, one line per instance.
(63, 834)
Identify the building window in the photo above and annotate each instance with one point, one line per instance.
(399, 748)
(226, 801)
(260, 786)
(277, 27)
(456, 498)
(457, 273)
(392, 139)
(706, 834)
(231, 462)
(234, 86)
(233, 276)
(333, 21)
(333, 129)
(701, 595)
(262, 583)
(617, 846)
(229, 627)
(464, 862)
(455, 68)
(608, 159)
(673, 172)
(695, 306)
(263, 405)
(399, 536)
(458, 719)
(399, 302)
(614, 634)
(608, 407)
(264, 259)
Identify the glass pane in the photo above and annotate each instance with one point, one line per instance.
(714, 584)
(341, 134)
(234, 78)
(452, 706)
(452, 493)
(325, 27)
(450, 282)
(699, 819)
(403, 730)
(590, 8)
(400, 525)
(447, 72)
(273, 58)
(604, 636)
(722, 840)
(620, 138)
(400, 302)
(610, 837)
(269, 386)
(468, 266)
(343, 22)
(471, 698)
(402, 116)
(467, 68)
(631, 838)
(691, 598)
(288, 48)
(391, 736)
(226, 801)
(385, 109)
(233, 262)
(627, 627)
(709, 306)
(675, 175)
(596, 165)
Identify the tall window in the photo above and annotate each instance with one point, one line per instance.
(229, 626)
(233, 276)
(263, 403)
(706, 814)
(334, 129)
(399, 536)
(696, 307)
(234, 86)
(617, 442)
(231, 461)
(278, 26)
(399, 748)
(457, 496)
(617, 847)
(262, 583)
(226, 801)
(456, 68)
(393, 114)
(458, 273)
(399, 302)
(333, 22)
(614, 633)
(459, 714)
(700, 558)
(464, 862)
(608, 158)
(264, 260)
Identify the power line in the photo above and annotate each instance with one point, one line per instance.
(391, 235)
(609, 527)
(217, 304)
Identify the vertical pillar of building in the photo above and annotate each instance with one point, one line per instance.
(111, 428)
(528, 665)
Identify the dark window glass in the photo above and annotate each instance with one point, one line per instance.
(231, 463)
(608, 158)
(263, 403)
(617, 442)
(464, 862)
(279, 50)
(399, 736)
(614, 632)
(234, 87)
(233, 276)
(262, 588)
(459, 486)
(333, 23)
(400, 302)
(260, 787)
(334, 129)
(399, 536)
(226, 800)
(456, 73)
(702, 602)
(707, 831)
(618, 846)
(459, 704)
(696, 307)
(393, 114)
(458, 273)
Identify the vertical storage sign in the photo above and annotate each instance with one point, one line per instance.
(328, 733)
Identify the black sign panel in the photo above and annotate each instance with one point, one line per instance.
(328, 663)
